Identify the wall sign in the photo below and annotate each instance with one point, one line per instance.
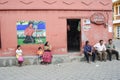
(97, 18)
(86, 28)
(87, 22)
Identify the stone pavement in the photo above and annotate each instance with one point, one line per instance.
(117, 44)
(76, 70)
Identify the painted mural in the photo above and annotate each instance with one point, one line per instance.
(31, 32)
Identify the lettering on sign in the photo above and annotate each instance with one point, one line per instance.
(98, 18)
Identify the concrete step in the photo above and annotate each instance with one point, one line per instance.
(33, 60)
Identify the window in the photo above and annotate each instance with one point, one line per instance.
(116, 13)
(118, 32)
(118, 9)
(113, 9)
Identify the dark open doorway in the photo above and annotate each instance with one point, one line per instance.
(73, 35)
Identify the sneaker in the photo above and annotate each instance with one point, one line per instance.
(118, 59)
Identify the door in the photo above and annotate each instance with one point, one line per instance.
(73, 35)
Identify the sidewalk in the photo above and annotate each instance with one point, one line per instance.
(117, 44)
(33, 60)
(66, 71)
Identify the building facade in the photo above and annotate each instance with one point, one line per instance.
(116, 19)
(67, 24)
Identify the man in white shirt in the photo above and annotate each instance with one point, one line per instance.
(100, 49)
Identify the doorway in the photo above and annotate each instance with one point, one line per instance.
(73, 35)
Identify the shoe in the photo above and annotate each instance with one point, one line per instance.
(118, 59)
(94, 61)
(88, 61)
(101, 60)
(104, 60)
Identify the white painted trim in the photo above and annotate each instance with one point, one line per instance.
(116, 21)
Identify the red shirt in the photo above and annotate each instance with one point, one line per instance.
(29, 31)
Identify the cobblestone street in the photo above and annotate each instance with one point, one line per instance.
(66, 71)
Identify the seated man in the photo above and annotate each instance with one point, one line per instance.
(111, 50)
(100, 49)
(88, 52)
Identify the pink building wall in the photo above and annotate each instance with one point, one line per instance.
(54, 13)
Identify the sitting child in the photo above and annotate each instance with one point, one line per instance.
(19, 55)
(40, 52)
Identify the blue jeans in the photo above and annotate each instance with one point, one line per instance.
(88, 55)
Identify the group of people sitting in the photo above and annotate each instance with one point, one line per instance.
(100, 50)
(44, 54)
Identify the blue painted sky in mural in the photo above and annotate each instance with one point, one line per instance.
(40, 26)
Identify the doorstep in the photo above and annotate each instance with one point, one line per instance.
(33, 60)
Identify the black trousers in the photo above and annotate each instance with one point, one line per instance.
(110, 52)
(88, 55)
(29, 39)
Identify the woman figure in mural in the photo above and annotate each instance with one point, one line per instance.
(19, 55)
(47, 55)
(29, 32)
